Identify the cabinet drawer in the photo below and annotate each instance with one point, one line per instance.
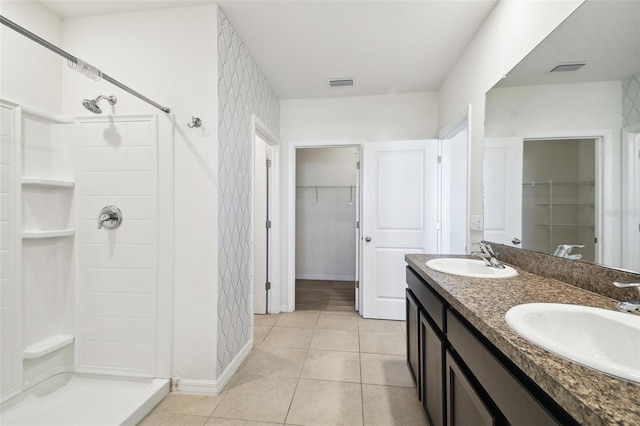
(515, 401)
(429, 300)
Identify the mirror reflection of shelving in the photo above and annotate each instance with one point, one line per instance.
(559, 195)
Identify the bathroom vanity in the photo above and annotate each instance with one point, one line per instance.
(471, 368)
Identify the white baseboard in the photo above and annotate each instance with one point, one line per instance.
(194, 386)
(235, 364)
(325, 277)
(212, 387)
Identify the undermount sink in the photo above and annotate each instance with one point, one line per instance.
(603, 340)
(474, 268)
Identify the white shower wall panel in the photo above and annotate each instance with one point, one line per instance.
(118, 273)
(9, 294)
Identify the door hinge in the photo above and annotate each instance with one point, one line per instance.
(357, 284)
(439, 159)
(268, 163)
(357, 224)
(268, 224)
(595, 240)
(358, 165)
(267, 285)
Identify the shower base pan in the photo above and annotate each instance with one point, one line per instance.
(84, 399)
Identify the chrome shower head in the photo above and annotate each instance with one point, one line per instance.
(92, 104)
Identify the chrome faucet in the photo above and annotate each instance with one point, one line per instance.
(629, 305)
(486, 253)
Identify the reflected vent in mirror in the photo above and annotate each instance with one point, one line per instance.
(568, 67)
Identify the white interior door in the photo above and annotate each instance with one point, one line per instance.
(503, 190)
(263, 152)
(399, 216)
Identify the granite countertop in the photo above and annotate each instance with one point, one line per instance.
(592, 398)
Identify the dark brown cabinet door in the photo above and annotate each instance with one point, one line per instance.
(465, 407)
(431, 378)
(413, 340)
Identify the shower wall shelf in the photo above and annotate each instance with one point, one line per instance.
(47, 346)
(53, 183)
(56, 233)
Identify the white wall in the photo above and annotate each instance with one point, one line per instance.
(170, 56)
(522, 110)
(374, 118)
(25, 61)
(404, 116)
(242, 93)
(512, 30)
(325, 227)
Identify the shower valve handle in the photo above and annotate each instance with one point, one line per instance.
(110, 217)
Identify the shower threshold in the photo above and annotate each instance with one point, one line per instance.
(84, 399)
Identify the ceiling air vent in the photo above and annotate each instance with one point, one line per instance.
(341, 82)
(568, 67)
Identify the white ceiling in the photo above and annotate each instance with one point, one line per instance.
(386, 46)
(605, 34)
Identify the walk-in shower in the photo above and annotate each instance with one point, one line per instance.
(92, 104)
(83, 333)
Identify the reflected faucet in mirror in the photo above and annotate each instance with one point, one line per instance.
(564, 250)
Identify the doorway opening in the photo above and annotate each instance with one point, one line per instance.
(326, 212)
(559, 196)
(265, 246)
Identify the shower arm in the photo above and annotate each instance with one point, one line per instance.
(56, 49)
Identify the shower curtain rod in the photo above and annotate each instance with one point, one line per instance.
(74, 59)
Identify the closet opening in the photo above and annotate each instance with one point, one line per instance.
(326, 233)
(560, 197)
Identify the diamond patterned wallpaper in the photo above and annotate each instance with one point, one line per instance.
(631, 101)
(242, 90)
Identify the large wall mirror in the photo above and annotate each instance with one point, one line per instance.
(562, 142)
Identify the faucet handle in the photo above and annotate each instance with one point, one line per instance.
(110, 217)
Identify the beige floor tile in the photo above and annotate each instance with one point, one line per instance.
(318, 402)
(172, 419)
(258, 398)
(383, 343)
(194, 405)
(299, 319)
(289, 337)
(332, 365)
(380, 369)
(389, 405)
(335, 340)
(384, 326)
(274, 361)
(236, 422)
(338, 321)
(260, 332)
(269, 319)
